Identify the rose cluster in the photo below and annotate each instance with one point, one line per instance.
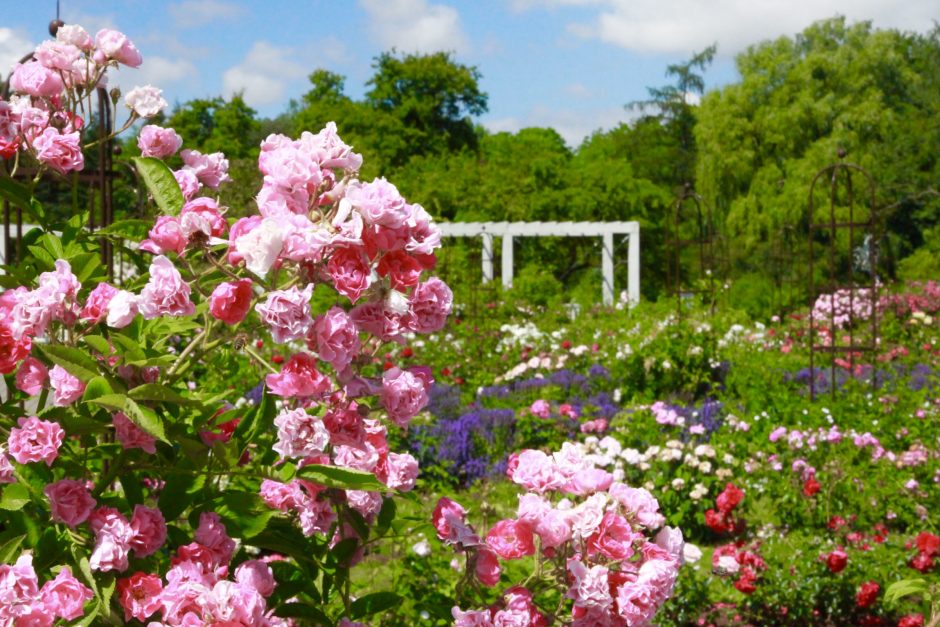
(722, 520)
(599, 542)
(49, 90)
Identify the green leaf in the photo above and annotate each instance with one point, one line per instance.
(96, 388)
(303, 610)
(341, 477)
(159, 392)
(53, 244)
(74, 360)
(42, 255)
(15, 496)
(143, 417)
(85, 265)
(99, 343)
(161, 183)
(177, 493)
(90, 617)
(128, 229)
(373, 604)
(904, 588)
(16, 193)
(10, 549)
(244, 513)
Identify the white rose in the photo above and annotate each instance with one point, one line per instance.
(145, 101)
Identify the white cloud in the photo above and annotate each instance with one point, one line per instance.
(573, 126)
(578, 90)
(193, 13)
(415, 25)
(14, 46)
(263, 75)
(670, 26)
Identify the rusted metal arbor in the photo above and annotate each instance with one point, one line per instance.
(844, 232)
(692, 237)
(99, 181)
(782, 255)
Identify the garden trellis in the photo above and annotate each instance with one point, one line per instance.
(486, 231)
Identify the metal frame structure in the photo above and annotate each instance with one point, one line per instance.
(839, 177)
(509, 230)
(704, 239)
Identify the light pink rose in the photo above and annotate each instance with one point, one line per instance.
(60, 151)
(554, 528)
(537, 471)
(450, 521)
(587, 481)
(65, 596)
(260, 245)
(146, 101)
(208, 212)
(66, 388)
(165, 236)
(350, 271)
(329, 150)
(379, 203)
(36, 80)
(300, 434)
(75, 35)
(614, 538)
(212, 534)
(114, 45)
(430, 303)
(231, 301)
(35, 440)
(402, 471)
(471, 618)
(113, 535)
(56, 55)
(299, 378)
(131, 436)
(210, 169)
(7, 474)
(366, 503)
(639, 505)
(122, 309)
(590, 587)
(286, 313)
(149, 530)
(71, 502)
(19, 586)
(403, 395)
(256, 574)
(166, 294)
(32, 376)
(189, 184)
(335, 338)
(159, 142)
(540, 408)
(96, 307)
(241, 228)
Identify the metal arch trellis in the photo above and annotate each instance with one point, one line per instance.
(784, 275)
(843, 218)
(703, 238)
(100, 179)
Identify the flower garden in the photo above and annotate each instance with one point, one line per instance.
(287, 419)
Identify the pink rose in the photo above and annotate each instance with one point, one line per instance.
(75, 35)
(256, 574)
(149, 530)
(139, 595)
(335, 338)
(299, 378)
(189, 184)
(114, 45)
(350, 272)
(70, 501)
(286, 313)
(430, 303)
(450, 522)
(537, 471)
(554, 528)
(402, 471)
(122, 309)
(60, 151)
(403, 270)
(165, 236)
(7, 472)
(66, 388)
(230, 301)
(614, 538)
(96, 307)
(166, 294)
(379, 203)
(639, 504)
(590, 587)
(213, 535)
(113, 535)
(34, 79)
(588, 480)
(403, 395)
(300, 434)
(511, 539)
(241, 228)
(35, 440)
(329, 150)
(210, 169)
(208, 211)
(57, 55)
(65, 596)
(31, 377)
(487, 567)
(159, 142)
(540, 408)
(131, 436)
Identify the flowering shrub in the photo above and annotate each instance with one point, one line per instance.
(166, 500)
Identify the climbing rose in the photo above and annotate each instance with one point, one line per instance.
(166, 294)
(96, 307)
(403, 395)
(511, 539)
(66, 388)
(159, 142)
(115, 46)
(70, 501)
(335, 338)
(139, 595)
(867, 594)
(32, 376)
(60, 151)
(230, 301)
(299, 377)
(36, 80)
(35, 440)
(430, 304)
(837, 560)
(287, 313)
(149, 530)
(300, 434)
(131, 436)
(65, 596)
(146, 101)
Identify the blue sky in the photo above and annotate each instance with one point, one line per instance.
(569, 64)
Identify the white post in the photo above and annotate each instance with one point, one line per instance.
(607, 269)
(487, 257)
(507, 261)
(633, 267)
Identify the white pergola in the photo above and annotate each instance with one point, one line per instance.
(508, 230)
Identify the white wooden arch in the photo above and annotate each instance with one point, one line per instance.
(508, 230)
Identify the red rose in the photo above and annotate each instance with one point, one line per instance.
(837, 560)
(867, 594)
(811, 487)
